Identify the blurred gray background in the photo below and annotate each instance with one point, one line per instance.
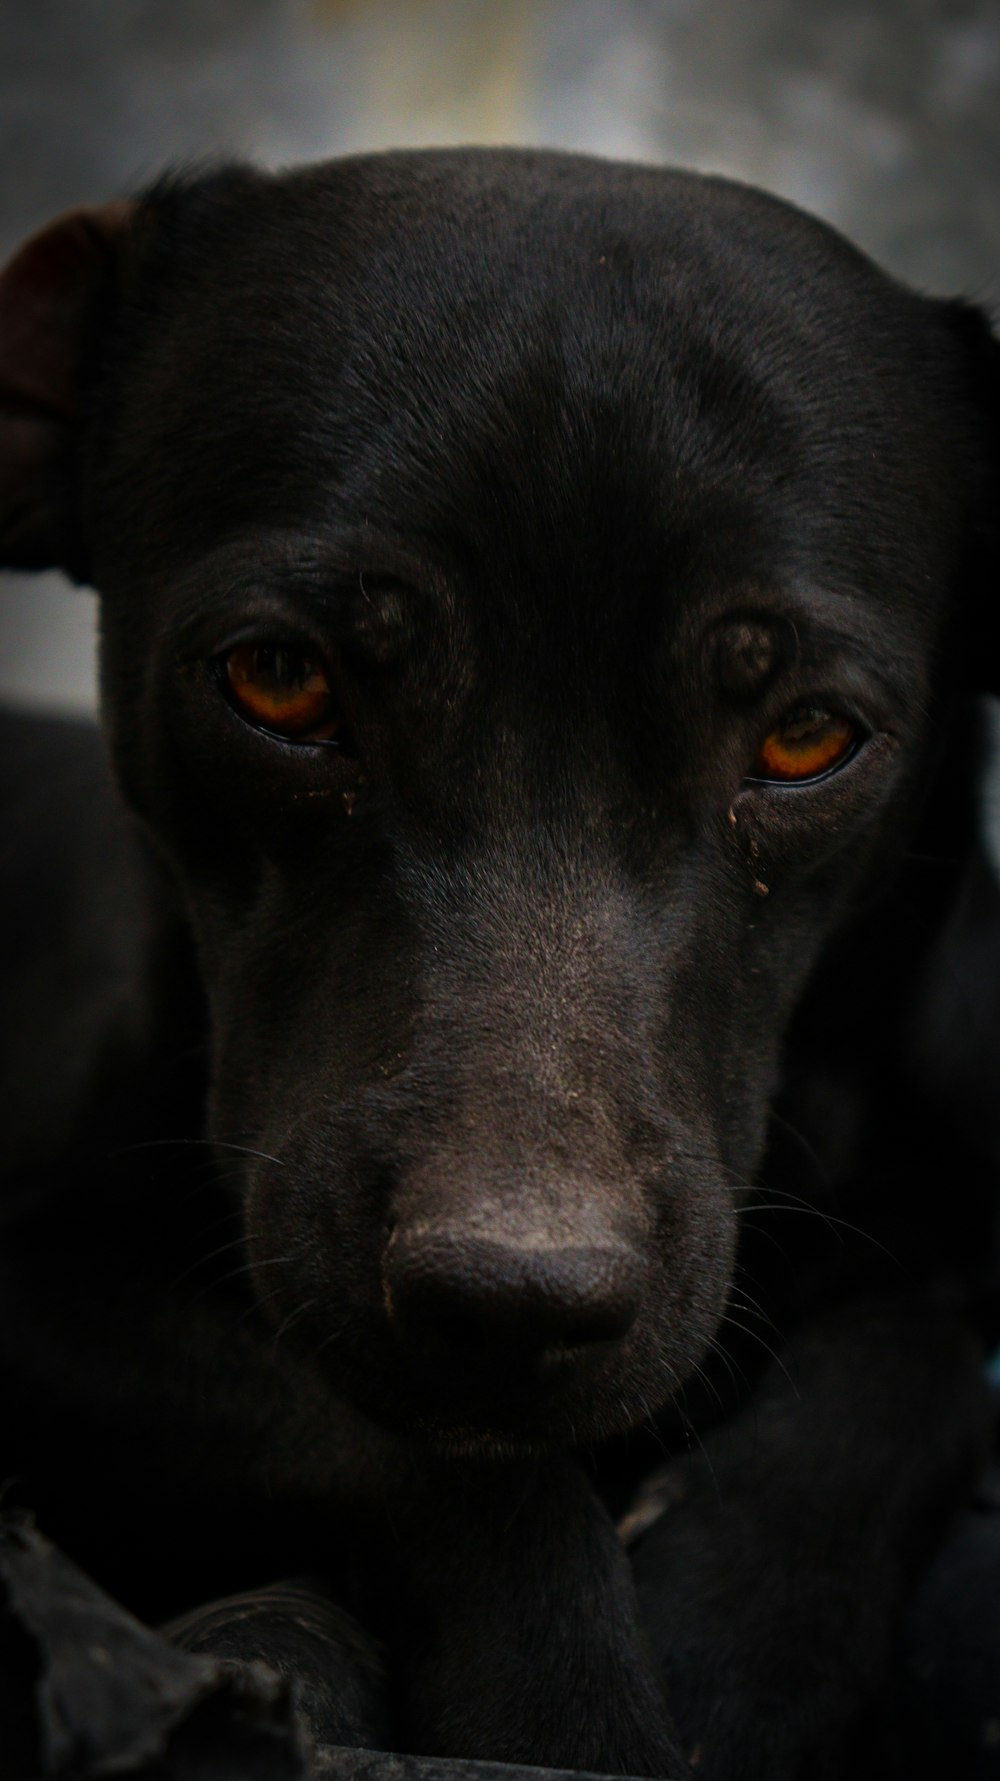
(881, 115)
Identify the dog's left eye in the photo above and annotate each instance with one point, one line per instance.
(280, 687)
(808, 744)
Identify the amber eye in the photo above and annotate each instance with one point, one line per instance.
(281, 687)
(808, 743)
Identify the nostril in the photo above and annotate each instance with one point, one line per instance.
(472, 1295)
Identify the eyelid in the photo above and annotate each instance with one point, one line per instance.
(272, 627)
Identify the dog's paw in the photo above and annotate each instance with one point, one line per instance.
(772, 1567)
(773, 1670)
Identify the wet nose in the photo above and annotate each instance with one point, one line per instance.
(480, 1297)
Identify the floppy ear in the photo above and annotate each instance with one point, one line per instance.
(53, 295)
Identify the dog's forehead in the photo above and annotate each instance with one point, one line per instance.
(535, 358)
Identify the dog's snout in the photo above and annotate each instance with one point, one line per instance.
(483, 1297)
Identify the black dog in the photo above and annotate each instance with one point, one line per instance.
(540, 607)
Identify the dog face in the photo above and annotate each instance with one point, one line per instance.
(529, 592)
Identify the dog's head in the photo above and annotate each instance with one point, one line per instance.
(530, 592)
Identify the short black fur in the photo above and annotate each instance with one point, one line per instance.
(415, 1138)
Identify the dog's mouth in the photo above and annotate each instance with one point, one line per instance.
(510, 1401)
(528, 1410)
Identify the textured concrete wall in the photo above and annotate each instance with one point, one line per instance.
(882, 115)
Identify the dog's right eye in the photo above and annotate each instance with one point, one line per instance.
(281, 687)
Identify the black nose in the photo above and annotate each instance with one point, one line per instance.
(477, 1296)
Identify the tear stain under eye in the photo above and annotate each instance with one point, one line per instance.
(753, 848)
(752, 854)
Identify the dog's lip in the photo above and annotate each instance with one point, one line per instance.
(517, 1371)
(517, 1400)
